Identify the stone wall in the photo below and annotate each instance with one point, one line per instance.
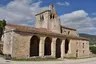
(7, 38)
(52, 24)
(69, 32)
(18, 45)
(21, 45)
(78, 48)
(42, 23)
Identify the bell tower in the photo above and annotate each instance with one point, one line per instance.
(48, 19)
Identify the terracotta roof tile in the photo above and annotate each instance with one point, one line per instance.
(28, 28)
(24, 28)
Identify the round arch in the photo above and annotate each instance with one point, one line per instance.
(34, 46)
(66, 46)
(47, 46)
(58, 47)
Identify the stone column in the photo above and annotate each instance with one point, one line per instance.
(41, 47)
(53, 47)
(62, 48)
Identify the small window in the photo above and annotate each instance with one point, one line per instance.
(68, 32)
(76, 50)
(51, 16)
(41, 17)
(83, 45)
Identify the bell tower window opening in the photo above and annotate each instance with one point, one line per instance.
(41, 17)
(52, 16)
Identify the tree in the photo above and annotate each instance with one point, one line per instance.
(2, 27)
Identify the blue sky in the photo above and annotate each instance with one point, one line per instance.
(87, 5)
(79, 14)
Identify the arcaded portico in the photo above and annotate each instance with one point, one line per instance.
(47, 46)
(48, 39)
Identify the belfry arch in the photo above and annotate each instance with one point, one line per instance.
(47, 46)
(58, 48)
(66, 46)
(34, 46)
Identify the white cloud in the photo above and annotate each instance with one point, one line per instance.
(23, 12)
(20, 11)
(63, 3)
(79, 19)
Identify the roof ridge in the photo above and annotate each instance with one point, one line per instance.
(68, 27)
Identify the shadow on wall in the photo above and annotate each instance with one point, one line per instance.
(34, 44)
(66, 46)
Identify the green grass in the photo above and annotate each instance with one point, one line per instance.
(71, 57)
(37, 59)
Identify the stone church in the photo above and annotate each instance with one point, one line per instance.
(47, 39)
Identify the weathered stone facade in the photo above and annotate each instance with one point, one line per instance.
(48, 39)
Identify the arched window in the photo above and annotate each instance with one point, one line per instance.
(58, 47)
(83, 45)
(66, 46)
(34, 46)
(51, 16)
(68, 32)
(41, 17)
(47, 49)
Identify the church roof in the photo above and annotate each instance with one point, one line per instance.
(27, 28)
(68, 28)
(45, 31)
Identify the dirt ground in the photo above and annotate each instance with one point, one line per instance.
(65, 61)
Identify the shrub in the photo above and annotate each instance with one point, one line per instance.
(93, 49)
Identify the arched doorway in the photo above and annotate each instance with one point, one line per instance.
(66, 46)
(34, 46)
(58, 48)
(47, 49)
